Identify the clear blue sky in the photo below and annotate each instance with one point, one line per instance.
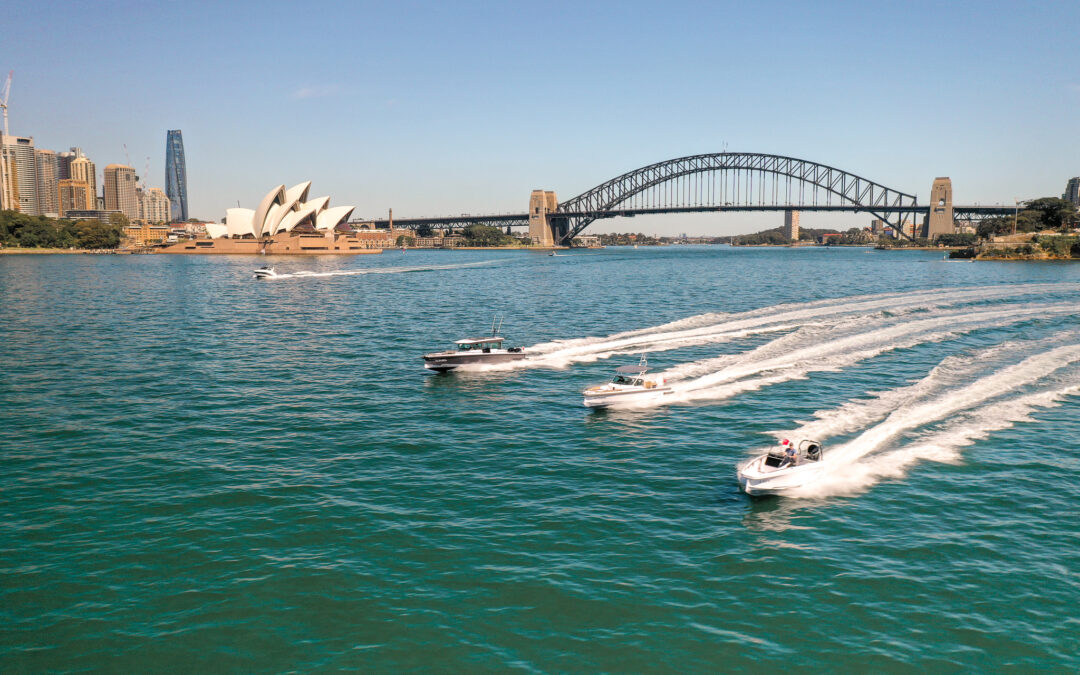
(444, 108)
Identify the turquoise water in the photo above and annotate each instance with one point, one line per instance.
(203, 472)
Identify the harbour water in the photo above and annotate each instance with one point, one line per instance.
(203, 472)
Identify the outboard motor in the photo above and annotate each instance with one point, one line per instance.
(813, 450)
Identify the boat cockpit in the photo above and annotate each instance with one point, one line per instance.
(484, 345)
(808, 451)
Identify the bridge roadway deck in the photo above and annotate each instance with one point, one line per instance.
(522, 219)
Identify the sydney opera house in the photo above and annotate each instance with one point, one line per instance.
(286, 221)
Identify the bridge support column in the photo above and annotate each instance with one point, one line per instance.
(541, 203)
(941, 210)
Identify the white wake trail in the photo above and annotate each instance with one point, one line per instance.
(713, 327)
(942, 446)
(304, 274)
(981, 407)
(857, 414)
(838, 353)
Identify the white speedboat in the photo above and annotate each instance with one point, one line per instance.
(474, 352)
(630, 385)
(265, 272)
(774, 473)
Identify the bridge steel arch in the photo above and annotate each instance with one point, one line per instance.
(859, 192)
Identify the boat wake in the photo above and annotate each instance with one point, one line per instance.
(797, 355)
(867, 311)
(377, 270)
(934, 418)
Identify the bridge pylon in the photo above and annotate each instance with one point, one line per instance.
(941, 209)
(541, 228)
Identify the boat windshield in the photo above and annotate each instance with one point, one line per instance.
(619, 379)
(476, 346)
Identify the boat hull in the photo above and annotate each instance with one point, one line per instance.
(606, 399)
(445, 362)
(755, 481)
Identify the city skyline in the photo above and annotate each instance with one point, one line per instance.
(485, 107)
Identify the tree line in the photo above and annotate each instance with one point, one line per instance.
(1046, 213)
(19, 230)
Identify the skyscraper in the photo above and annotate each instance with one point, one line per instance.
(47, 186)
(176, 175)
(1072, 191)
(153, 206)
(21, 174)
(791, 225)
(81, 168)
(120, 190)
(64, 160)
(75, 195)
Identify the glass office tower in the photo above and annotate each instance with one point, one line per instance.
(176, 175)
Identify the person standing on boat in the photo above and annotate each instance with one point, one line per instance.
(790, 456)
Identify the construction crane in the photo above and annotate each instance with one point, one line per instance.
(127, 156)
(4, 192)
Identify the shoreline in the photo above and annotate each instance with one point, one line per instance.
(87, 251)
(66, 251)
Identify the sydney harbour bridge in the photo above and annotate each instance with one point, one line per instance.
(724, 181)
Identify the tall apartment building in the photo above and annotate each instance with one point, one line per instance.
(9, 192)
(154, 206)
(176, 175)
(81, 168)
(74, 195)
(21, 175)
(791, 225)
(64, 160)
(47, 183)
(1072, 191)
(120, 190)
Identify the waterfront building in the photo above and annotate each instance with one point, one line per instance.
(286, 221)
(1072, 191)
(90, 214)
(791, 225)
(284, 210)
(877, 226)
(48, 189)
(153, 206)
(145, 234)
(120, 190)
(941, 209)
(74, 195)
(81, 168)
(176, 175)
(21, 174)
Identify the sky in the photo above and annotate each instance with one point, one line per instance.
(443, 108)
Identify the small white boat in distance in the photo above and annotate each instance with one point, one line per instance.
(265, 272)
(630, 385)
(775, 473)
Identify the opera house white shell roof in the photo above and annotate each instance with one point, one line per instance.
(282, 210)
